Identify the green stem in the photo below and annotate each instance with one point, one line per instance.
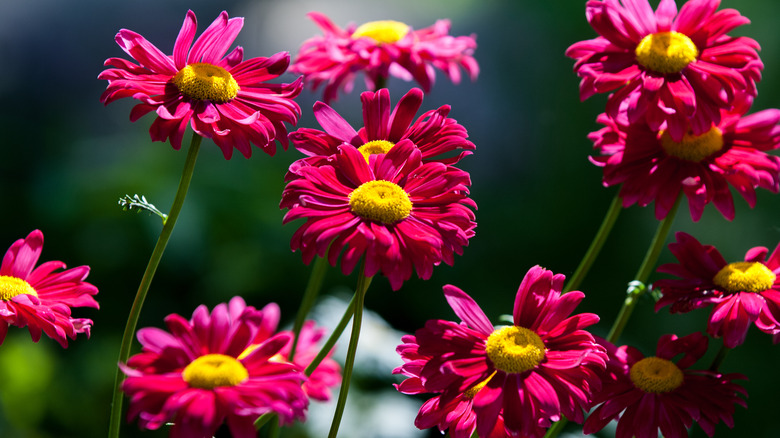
(637, 287)
(720, 357)
(146, 281)
(595, 247)
(360, 294)
(380, 83)
(309, 297)
(556, 428)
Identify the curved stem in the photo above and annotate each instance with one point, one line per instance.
(309, 297)
(595, 246)
(720, 357)
(146, 280)
(637, 287)
(360, 294)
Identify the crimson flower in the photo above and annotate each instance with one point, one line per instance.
(526, 375)
(436, 135)
(398, 212)
(741, 293)
(220, 96)
(674, 70)
(381, 49)
(652, 167)
(210, 370)
(40, 298)
(651, 394)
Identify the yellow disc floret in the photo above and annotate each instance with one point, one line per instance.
(666, 52)
(656, 375)
(515, 349)
(385, 31)
(375, 147)
(693, 147)
(381, 201)
(745, 277)
(13, 286)
(213, 370)
(204, 81)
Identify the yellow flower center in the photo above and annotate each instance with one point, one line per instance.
(381, 201)
(693, 147)
(472, 392)
(213, 370)
(13, 286)
(204, 81)
(385, 31)
(745, 277)
(656, 375)
(515, 349)
(666, 52)
(374, 147)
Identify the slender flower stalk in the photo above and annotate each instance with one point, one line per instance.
(637, 287)
(595, 246)
(357, 319)
(309, 297)
(146, 280)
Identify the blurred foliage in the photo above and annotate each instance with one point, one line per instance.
(67, 159)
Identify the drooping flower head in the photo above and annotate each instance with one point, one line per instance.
(741, 293)
(437, 136)
(381, 49)
(220, 96)
(202, 373)
(328, 372)
(652, 167)
(526, 375)
(675, 70)
(653, 394)
(399, 213)
(40, 298)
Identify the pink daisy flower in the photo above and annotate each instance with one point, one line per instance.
(530, 373)
(40, 298)
(400, 213)
(651, 394)
(380, 49)
(436, 135)
(674, 70)
(741, 293)
(328, 372)
(651, 166)
(202, 374)
(220, 96)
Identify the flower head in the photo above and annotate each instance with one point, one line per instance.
(40, 298)
(400, 213)
(652, 394)
(525, 375)
(674, 70)
(741, 293)
(652, 167)
(203, 373)
(220, 96)
(437, 136)
(380, 49)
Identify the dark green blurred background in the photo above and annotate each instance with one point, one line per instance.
(67, 159)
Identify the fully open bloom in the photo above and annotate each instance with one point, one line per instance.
(673, 69)
(400, 213)
(437, 136)
(203, 373)
(529, 374)
(652, 394)
(741, 293)
(40, 298)
(651, 166)
(380, 49)
(221, 97)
